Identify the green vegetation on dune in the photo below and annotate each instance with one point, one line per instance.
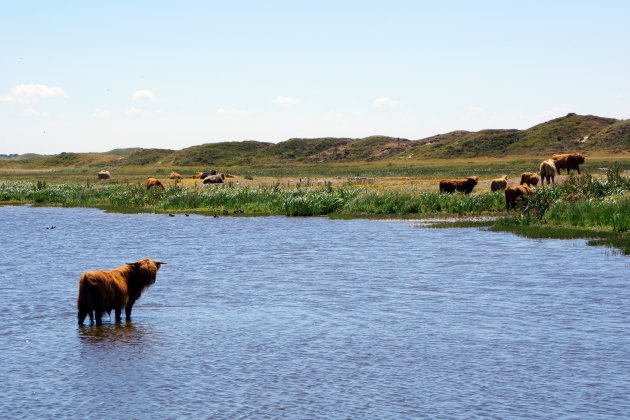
(557, 134)
(570, 133)
(225, 154)
(147, 156)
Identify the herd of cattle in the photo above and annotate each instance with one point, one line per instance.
(548, 170)
(211, 177)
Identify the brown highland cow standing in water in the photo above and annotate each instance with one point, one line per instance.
(102, 291)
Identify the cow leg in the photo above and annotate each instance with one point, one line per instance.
(578, 168)
(82, 315)
(99, 317)
(118, 312)
(128, 311)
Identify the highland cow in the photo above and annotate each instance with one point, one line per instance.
(214, 179)
(513, 193)
(547, 171)
(104, 175)
(154, 182)
(529, 178)
(568, 161)
(102, 291)
(499, 183)
(175, 175)
(464, 185)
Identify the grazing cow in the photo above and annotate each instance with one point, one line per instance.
(529, 178)
(154, 182)
(499, 183)
(514, 193)
(547, 171)
(175, 175)
(464, 185)
(568, 161)
(104, 175)
(197, 175)
(214, 179)
(102, 291)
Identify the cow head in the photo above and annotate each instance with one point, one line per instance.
(145, 270)
(579, 157)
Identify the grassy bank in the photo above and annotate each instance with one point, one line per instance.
(581, 207)
(253, 200)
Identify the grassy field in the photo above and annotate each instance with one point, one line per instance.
(595, 205)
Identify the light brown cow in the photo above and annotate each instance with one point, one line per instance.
(154, 182)
(102, 291)
(198, 175)
(513, 193)
(568, 161)
(499, 183)
(175, 175)
(547, 171)
(464, 185)
(104, 175)
(529, 178)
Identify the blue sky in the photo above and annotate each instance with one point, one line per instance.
(81, 76)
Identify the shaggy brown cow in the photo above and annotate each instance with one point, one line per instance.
(464, 185)
(214, 179)
(514, 193)
(102, 291)
(529, 178)
(198, 175)
(154, 182)
(499, 183)
(175, 175)
(547, 171)
(104, 175)
(568, 161)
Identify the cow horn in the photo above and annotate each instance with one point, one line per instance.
(160, 262)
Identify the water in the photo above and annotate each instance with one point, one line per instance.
(310, 318)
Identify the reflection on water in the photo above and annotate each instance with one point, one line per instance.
(122, 334)
(310, 318)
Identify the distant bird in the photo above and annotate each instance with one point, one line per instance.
(171, 214)
(52, 227)
(186, 214)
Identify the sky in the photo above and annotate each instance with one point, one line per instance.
(95, 76)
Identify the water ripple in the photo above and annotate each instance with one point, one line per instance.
(311, 318)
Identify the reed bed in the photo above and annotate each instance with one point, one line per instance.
(259, 200)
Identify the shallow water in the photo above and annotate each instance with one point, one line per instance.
(311, 318)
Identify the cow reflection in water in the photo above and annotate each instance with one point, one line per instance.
(127, 334)
(104, 291)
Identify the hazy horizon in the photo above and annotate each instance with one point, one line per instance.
(97, 77)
